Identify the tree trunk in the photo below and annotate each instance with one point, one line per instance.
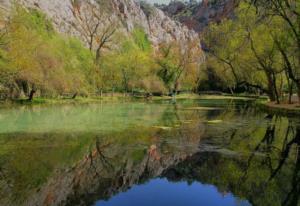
(75, 95)
(276, 93)
(290, 87)
(290, 93)
(271, 91)
(97, 56)
(113, 92)
(11, 92)
(125, 82)
(298, 92)
(175, 91)
(277, 98)
(231, 90)
(31, 94)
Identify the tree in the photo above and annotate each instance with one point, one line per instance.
(132, 63)
(23, 52)
(247, 47)
(50, 65)
(95, 23)
(128, 65)
(223, 42)
(289, 44)
(178, 60)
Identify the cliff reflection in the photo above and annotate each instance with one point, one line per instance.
(239, 150)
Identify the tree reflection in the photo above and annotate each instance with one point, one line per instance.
(266, 173)
(253, 155)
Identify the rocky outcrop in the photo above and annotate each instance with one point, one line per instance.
(157, 25)
(198, 15)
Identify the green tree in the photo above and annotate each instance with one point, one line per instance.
(35, 59)
(246, 47)
(178, 62)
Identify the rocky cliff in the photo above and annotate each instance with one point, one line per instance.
(198, 15)
(157, 25)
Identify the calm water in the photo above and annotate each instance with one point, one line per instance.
(192, 152)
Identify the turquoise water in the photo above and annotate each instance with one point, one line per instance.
(192, 152)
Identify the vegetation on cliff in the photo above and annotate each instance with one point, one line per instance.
(38, 61)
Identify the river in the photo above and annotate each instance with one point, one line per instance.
(131, 153)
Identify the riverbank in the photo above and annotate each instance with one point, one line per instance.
(284, 109)
(52, 101)
(117, 98)
(262, 102)
(204, 96)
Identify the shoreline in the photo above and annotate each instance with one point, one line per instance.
(282, 109)
(119, 97)
(261, 102)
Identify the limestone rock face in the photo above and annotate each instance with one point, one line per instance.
(196, 15)
(159, 27)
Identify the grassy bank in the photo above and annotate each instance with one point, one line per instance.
(261, 102)
(52, 101)
(116, 97)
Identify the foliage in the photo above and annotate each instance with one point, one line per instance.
(131, 67)
(179, 65)
(35, 60)
(35, 57)
(248, 51)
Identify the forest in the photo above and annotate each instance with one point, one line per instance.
(38, 61)
(258, 50)
(255, 52)
(114, 102)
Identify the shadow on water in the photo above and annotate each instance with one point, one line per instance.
(264, 171)
(260, 178)
(227, 152)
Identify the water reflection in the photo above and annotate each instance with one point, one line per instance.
(263, 169)
(114, 166)
(248, 156)
(163, 192)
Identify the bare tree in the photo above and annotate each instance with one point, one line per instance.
(95, 23)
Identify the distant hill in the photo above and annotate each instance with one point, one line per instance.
(197, 15)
